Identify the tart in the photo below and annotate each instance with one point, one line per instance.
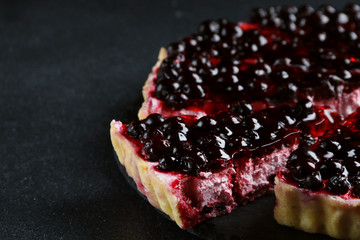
(224, 108)
(280, 56)
(193, 169)
(319, 192)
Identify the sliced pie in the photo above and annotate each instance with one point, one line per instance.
(196, 169)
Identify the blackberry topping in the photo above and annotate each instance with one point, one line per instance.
(206, 124)
(301, 154)
(312, 181)
(353, 166)
(220, 29)
(167, 163)
(329, 168)
(156, 147)
(316, 55)
(179, 148)
(187, 145)
(228, 119)
(356, 190)
(151, 133)
(176, 100)
(177, 136)
(304, 109)
(154, 119)
(217, 153)
(175, 124)
(332, 163)
(191, 162)
(338, 185)
(306, 140)
(331, 146)
(242, 108)
(136, 129)
(211, 141)
(355, 182)
(193, 90)
(302, 169)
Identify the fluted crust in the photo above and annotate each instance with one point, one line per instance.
(145, 109)
(316, 212)
(158, 192)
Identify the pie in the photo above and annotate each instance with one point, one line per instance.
(226, 107)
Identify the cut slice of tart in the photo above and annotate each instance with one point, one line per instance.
(319, 192)
(186, 199)
(284, 54)
(193, 169)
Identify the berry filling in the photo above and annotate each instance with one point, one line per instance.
(332, 164)
(191, 146)
(284, 54)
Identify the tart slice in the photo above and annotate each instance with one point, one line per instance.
(193, 169)
(284, 54)
(185, 198)
(319, 192)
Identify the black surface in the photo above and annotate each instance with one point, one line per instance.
(67, 68)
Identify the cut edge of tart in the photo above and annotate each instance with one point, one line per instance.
(316, 212)
(252, 178)
(139, 170)
(184, 198)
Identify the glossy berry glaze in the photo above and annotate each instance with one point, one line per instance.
(187, 145)
(282, 55)
(331, 165)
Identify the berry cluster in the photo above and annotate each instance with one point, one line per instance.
(209, 143)
(285, 54)
(332, 164)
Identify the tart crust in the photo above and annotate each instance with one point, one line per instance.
(316, 212)
(147, 106)
(148, 183)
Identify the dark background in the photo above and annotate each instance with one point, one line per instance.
(67, 68)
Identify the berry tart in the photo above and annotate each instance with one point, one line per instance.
(225, 107)
(319, 191)
(193, 169)
(282, 55)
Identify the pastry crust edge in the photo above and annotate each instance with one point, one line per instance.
(144, 110)
(316, 212)
(158, 192)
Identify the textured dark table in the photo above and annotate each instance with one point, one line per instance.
(67, 68)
